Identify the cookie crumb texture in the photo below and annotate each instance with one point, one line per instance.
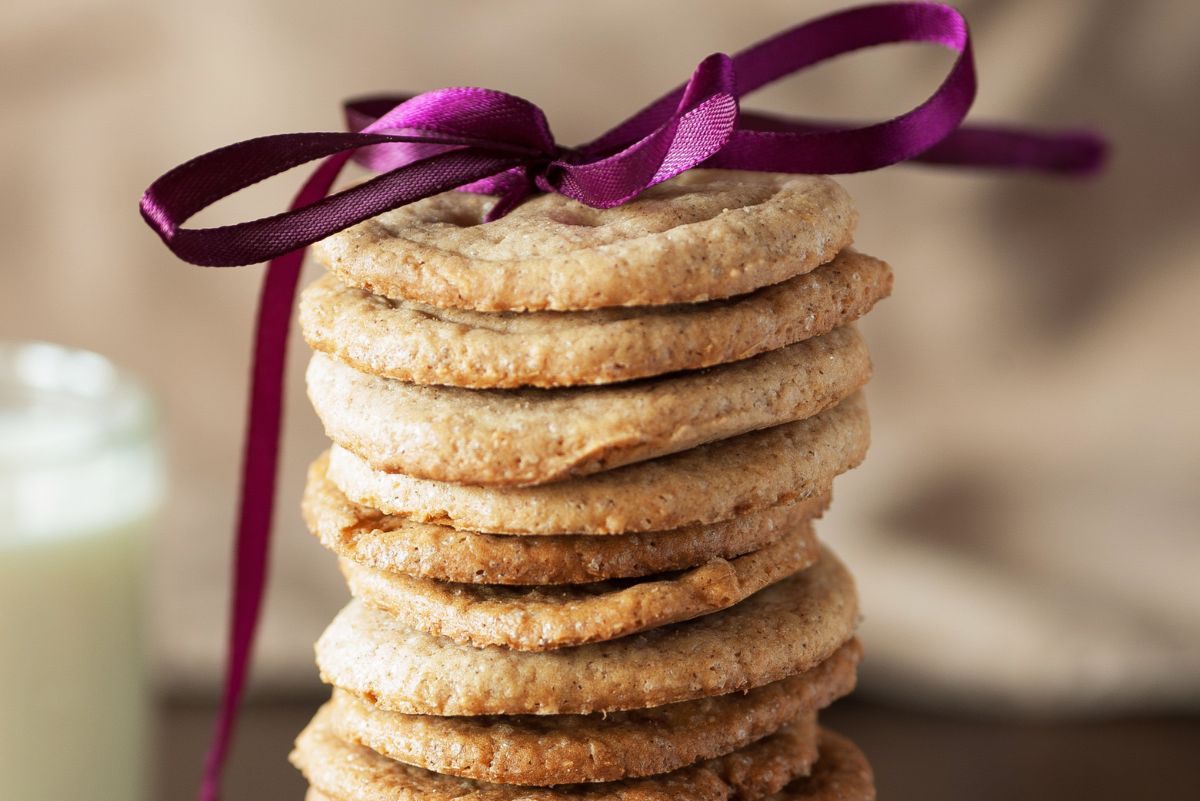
(706, 484)
(425, 344)
(549, 617)
(569, 749)
(785, 629)
(397, 544)
(577, 460)
(703, 235)
(342, 770)
(537, 436)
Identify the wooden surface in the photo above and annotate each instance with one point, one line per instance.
(916, 755)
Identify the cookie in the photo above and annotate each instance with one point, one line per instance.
(544, 618)
(785, 629)
(348, 772)
(558, 749)
(423, 344)
(841, 774)
(702, 235)
(707, 484)
(424, 550)
(536, 436)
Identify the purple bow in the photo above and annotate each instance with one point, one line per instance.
(480, 140)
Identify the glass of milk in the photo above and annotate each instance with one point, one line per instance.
(81, 475)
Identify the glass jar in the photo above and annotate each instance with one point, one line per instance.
(81, 476)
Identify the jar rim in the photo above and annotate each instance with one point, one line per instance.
(45, 378)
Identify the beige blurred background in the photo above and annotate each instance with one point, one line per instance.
(1025, 529)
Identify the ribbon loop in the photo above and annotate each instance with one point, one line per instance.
(451, 118)
(465, 112)
(270, 237)
(702, 123)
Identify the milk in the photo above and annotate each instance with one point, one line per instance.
(80, 478)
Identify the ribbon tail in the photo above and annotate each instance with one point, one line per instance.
(992, 146)
(1067, 152)
(259, 465)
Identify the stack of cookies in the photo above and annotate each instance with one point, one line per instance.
(577, 458)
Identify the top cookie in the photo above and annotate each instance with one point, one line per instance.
(705, 234)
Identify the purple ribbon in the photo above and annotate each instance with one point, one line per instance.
(480, 140)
